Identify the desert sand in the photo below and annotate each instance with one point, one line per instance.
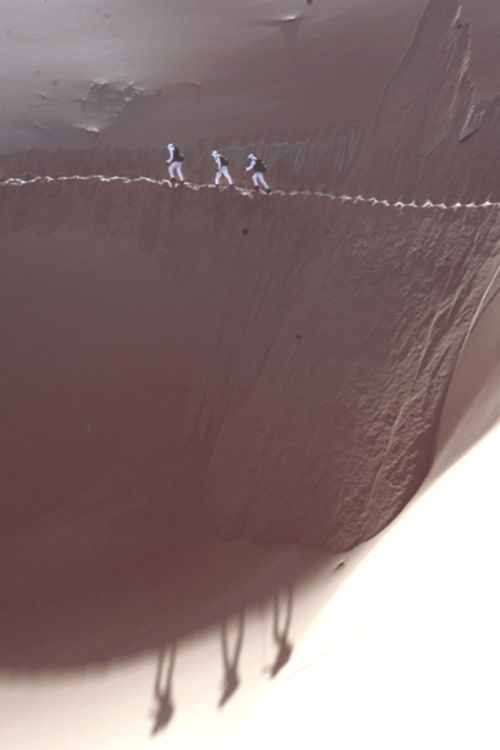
(249, 441)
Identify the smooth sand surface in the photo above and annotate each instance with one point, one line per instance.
(135, 74)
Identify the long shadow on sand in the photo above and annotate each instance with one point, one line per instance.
(282, 618)
(164, 708)
(231, 653)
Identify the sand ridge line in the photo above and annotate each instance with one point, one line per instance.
(19, 181)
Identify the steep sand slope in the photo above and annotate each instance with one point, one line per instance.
(397, 646)
(269, 366)
(471, 407)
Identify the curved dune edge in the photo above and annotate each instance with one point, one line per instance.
(471, 408)
(421, 647)
(408, 621)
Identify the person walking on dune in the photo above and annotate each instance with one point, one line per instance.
(222, 171)
(258, 167)
(175, 163)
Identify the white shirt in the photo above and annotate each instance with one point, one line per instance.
(251, 165)
(171, 150)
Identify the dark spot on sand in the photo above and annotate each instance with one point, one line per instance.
(107, 15)
(55, 82)
(327, 231)
(298, 336)
(245, 230)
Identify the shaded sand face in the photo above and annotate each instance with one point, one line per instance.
(353, 635)
(190, 373)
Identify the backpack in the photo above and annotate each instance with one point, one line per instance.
(260, 166)
(224, 161)
(178, 155)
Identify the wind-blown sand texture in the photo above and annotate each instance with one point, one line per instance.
(211, 398)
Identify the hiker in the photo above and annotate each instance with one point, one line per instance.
(259, 167)
(221, 162)
(175, 163)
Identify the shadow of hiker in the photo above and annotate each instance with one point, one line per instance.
(231, 678)
(164, 708)
(280, 634)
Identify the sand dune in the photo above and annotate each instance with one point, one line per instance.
(194, 301)
(213, 401)
(406, 629)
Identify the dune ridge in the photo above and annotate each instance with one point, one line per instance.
(370, 329)
(20, 181)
